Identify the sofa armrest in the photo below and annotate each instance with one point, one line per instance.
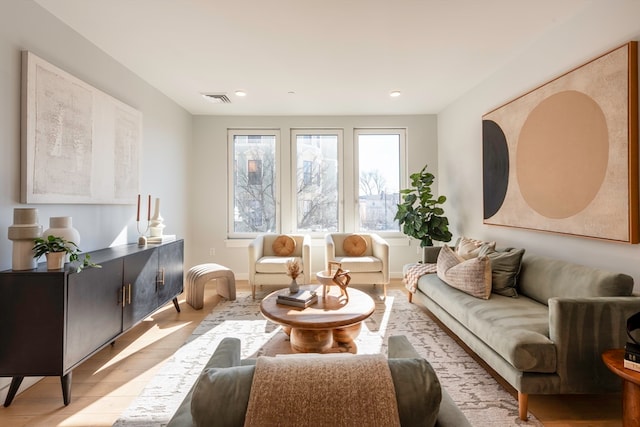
(582, 328)
(306, 258)
(380, 249)
(329, 250)
(256, 252)
(431, 253)
(226, 355)
(401, 348)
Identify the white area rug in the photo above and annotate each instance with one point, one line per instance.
(483, 401)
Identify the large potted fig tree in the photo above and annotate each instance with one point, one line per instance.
(420, 214)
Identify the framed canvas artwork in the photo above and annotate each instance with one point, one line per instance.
(79, 145)
(563, 157)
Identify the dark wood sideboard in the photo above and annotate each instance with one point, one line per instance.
(52, 321)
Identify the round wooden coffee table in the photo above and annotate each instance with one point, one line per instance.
(614, 360)
(315, 328)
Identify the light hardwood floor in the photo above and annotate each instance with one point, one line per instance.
(104, 386)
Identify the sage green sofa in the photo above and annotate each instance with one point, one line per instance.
(223, 401)
(547, 340)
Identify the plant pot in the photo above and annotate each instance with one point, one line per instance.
(55, 260)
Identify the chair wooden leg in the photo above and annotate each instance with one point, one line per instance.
(410, 295)
(253, 291)
(384, 291)
(523, 403)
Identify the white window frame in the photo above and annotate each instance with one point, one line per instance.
(402, 132)
(294, 167)
(231, 133)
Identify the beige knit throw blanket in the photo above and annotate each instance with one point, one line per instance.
(413, 274)
(317, 390)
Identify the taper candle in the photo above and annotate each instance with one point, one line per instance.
(149, 208)
(138, 213)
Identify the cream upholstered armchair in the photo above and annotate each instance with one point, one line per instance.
(365, 255)
(268, 256)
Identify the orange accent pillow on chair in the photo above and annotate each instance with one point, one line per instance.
(354, 245)
(284, 245)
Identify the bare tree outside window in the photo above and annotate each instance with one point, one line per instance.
(254, 187)
(317, 182)
(379, 180)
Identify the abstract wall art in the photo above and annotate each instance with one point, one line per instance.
(563, 157)
(79, 145)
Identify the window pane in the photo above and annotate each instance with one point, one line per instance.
(379, 181)
(317, 182)
(254, 186)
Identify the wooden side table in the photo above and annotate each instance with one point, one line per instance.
(614, 360)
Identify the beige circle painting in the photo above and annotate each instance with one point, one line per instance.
(562, 156)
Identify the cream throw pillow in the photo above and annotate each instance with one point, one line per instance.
(470, 248)
(472, 276)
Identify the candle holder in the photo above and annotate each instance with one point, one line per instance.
(142, 238)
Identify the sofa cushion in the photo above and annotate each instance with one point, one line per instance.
(221, 395)
(360, 264)
(283, 245)
(505, 267)
(354, 245)
(274, 264)
(515, 328)
(472, 276)
(542, 278)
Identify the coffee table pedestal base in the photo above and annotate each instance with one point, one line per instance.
(321, 340)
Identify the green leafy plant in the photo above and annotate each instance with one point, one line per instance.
(58, 244)
(419, 214)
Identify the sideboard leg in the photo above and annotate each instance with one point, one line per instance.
(175, 303)
(65, 381)
(13, 389)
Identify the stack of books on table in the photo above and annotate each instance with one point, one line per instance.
(302, 298)
(632, 356)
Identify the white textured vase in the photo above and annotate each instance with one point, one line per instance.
(156, 223)
(24, 230)
(62, 226)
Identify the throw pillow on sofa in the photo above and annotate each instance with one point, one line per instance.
(505, 267)
(472, 276)
(470, 248)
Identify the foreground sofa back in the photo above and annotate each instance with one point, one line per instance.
(421, 401)
(548, 340)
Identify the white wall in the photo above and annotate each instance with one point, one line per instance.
(601, 27)
(209, 179)
(166, 128)
(166, 131)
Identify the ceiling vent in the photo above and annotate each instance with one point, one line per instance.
(217, 98)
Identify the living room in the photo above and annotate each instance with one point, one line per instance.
(185, 159)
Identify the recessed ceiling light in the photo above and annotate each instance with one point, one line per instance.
(241, 93)
(395, 93)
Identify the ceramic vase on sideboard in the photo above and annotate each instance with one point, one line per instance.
(24, 230)
(62, 226)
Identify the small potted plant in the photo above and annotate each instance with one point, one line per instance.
(56, 250)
